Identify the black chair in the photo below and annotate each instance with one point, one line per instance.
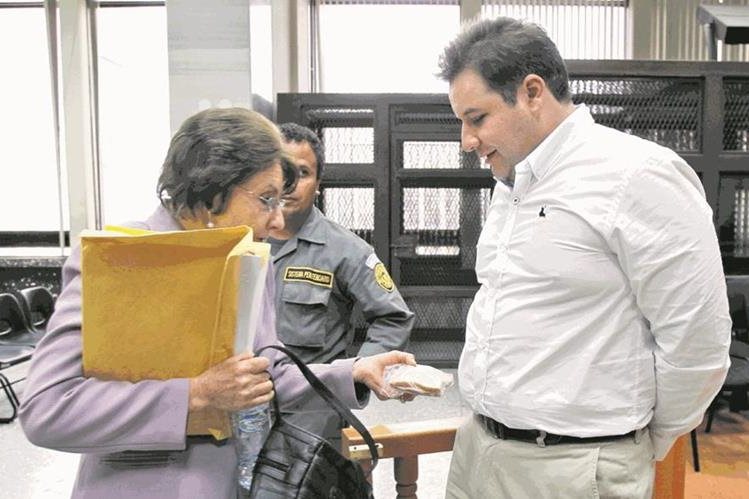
(737, 309)
(695, 450)
(736, 385)
(15, 326)
(17, 340)
(38, 305)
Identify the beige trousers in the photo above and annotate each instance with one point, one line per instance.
(484, 467)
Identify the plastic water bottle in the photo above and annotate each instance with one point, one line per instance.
(251, 427)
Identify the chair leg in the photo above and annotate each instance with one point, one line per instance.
(12, 391)
(739, 401)
(695, 451)
(12, 398)
(710, 413)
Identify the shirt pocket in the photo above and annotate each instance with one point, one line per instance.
(303, 315)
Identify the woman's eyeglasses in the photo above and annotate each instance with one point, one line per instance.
(270, 203)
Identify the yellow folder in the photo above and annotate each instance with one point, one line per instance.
(161, 305)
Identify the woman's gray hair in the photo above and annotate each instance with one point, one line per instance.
(214, 151)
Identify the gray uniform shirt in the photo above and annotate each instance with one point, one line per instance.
(321, 273)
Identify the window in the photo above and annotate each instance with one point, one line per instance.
(384, 48)
(581, 29)
(133, 94)
(30, 199)
(261, 60)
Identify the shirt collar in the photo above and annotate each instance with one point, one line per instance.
(162, 220)
(542, 157)
(313, 229)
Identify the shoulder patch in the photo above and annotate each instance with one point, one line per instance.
(372, 260)
(309, 275)
(383, 278)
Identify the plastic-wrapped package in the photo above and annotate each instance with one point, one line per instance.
(417, 380)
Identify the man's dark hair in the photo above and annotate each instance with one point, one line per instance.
(504, 51)
(293, 132)
(214, 151)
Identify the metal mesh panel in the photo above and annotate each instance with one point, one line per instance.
(349, 145)
(320, 117)
(427, 118)
(447, 155)
(736, 112)
(437, 336)
(446, 223)
(664, 110)
(438, 331)
(352, 207)
(431, 155)
(733, 215)
(434, 313)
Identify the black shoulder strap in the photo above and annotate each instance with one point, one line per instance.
(330, 398)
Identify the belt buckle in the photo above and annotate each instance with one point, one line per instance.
(541, 438)
(494, 427)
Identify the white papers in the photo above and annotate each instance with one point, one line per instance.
(252, 274)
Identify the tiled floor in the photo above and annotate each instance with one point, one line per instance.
(29, 472)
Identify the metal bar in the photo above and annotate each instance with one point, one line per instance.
(384, 198)
(314, 46)
(21, 5)
(712, 43)
(33, 238)
(654, 68)
(93, 85)
(50, 13)
(106, 4)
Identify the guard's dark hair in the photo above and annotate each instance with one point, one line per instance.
(504, 51)
(293, 132)
(214, 151)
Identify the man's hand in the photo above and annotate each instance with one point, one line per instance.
(237, 383)
(369, 370)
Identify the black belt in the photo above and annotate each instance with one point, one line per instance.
(540, 437)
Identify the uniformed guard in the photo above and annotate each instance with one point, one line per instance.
(322, 270)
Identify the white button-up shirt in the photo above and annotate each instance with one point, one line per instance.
(603, 305)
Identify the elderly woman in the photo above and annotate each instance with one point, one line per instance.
(223, 168)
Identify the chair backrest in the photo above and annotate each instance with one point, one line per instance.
(39, 304)
(12, 318)
(737, 309)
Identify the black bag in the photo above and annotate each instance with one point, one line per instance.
(295, 463)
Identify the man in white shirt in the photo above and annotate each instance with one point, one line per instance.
(600, 331)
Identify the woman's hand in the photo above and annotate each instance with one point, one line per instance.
(237, 383)
(369, 370)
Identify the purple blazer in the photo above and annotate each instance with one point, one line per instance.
(63, 410)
